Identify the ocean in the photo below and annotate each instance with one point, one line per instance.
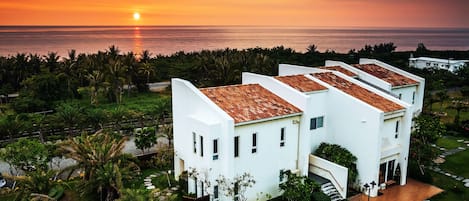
(167, 40)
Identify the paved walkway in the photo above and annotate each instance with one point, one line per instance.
(412, 191)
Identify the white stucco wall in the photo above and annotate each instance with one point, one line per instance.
(270, 158)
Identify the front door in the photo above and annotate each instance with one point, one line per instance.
(386, 171)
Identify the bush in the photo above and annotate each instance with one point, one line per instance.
(319, 196)
(414, 172)
(26, 104)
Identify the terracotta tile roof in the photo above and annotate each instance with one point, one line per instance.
(391, 77)
(249, 102)
(301, 83)
(340, 69)
(358, 92)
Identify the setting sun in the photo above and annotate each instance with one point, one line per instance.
(136, 16)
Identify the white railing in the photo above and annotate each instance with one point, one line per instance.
(333, 172)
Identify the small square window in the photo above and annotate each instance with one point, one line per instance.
(317, 122)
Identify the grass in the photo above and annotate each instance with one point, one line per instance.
(137, 182)
(457, 164)
(454, 190)
(449, 142)
(451, 113)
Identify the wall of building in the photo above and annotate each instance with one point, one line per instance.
(270, 157)
(288, 69)
(193, 112)
(312, 104)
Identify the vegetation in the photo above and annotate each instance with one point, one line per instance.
(427, 130)
(297, 188)
(61, 97)
(337, 154)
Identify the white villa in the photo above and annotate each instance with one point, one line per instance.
(435, 63)
(269, 125)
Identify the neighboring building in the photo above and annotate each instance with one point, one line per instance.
(435, 63)
(272, 124)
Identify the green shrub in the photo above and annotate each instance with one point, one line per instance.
(319, 196)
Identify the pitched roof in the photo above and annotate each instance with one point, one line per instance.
(391, 77)
(340, 69)
(249, 102)
(301, 83)
(358, 92)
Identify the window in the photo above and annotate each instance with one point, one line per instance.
(215, 192)
(317, 122)
(400, 96)
(236, 146)
(201, 146)
(194, 141)
(397, 130)
(236, 191)
(282, 137)
(215, 149)
(254, 143)
(283, 175)
(413, 97)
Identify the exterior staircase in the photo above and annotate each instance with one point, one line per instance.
(331, 191)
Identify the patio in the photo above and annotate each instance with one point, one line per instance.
(412, 191)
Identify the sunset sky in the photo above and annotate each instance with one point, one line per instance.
(336, 13)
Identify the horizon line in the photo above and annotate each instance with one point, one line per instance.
(260, 26)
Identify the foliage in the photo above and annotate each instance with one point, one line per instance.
(164, 159)
(13, 124)
(130, 194)
(320, 196)
(337, 154)
(237, 186)
(297, 188)
(145, 138)
(26, 153)
(427, 130)
(102, 161)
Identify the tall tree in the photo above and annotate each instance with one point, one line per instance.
(104, 164)
(426, 131)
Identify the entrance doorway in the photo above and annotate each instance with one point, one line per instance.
(386, 172)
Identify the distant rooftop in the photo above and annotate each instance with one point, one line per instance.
(391, 77)
(249, 102)
(301, 83)
(340, 69)
(358, 92)
(451, 61)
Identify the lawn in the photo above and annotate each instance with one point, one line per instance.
(449, 142)
(454, 190)
(454, 164)
(457, 164)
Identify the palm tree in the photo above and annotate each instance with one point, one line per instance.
(12, 125)
(147, 69)
(96, 81)
(116, 77)
(52, 62)
(101, 159)
(70, 115)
